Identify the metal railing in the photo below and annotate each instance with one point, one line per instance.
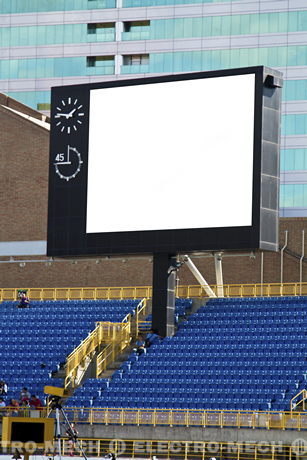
(142, 311)
(190, 418)
(298, 399)
(116, 337)
(138, 292)
(109, 354)
(268, 420)
(105, 332)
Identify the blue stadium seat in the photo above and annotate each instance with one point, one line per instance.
(243, 354)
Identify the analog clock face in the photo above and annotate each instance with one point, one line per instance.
(68, 164)
(69, 115)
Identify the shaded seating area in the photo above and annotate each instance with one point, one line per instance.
(233, 354)
(38, 339)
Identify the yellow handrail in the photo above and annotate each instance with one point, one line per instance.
(139, 292)
(105, 332)
(141, 310)
(108, 356)
(104, 358)
(190, 418)
(270, 420)
(295, 404)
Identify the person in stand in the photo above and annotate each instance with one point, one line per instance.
(35, 403)
(140, 345)
(25, 407)
(3, 387)
(24, 395)
(72, 435)
(151, 337)
(14, 406)
(24, 301)
(2, 408)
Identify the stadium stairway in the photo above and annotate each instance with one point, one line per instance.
(240, 354)
(87, 392)
(37, 339)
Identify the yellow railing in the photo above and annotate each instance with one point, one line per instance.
(79, 293)
(109, 354)
(104, 358)
(137, 292)
(185, 450)
(189, 418)
(105, 332)
(180, 417)
(142, 311)
(298, 399)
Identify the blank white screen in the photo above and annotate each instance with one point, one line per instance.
(171, 155)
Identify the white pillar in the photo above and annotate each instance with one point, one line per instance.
(118, 63)
(119, 27)
(199, 276)
(219, 274)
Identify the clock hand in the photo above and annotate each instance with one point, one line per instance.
(70, 114)
(58, 115)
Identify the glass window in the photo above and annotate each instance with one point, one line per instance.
(138, 3)
(245, 24)
(136, 59)
(293, 159)
(293, 195)
(100, 65)
(101, 32)
(51, 67)
(57, 34)
(32, 99)
(28, 6)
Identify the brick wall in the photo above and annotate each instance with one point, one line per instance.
(24, 178)
(24, 160)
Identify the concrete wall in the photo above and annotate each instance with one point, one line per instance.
(188, 434)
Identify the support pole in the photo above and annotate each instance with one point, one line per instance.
(163, 294)
(58, 431)
(261, 272)
(301, 260)
(282, 258)
(198, 276)
(219, 274)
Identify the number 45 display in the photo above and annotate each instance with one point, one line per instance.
(68, 164)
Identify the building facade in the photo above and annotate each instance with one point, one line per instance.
(45, 43)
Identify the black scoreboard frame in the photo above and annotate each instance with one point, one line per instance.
(67, 205)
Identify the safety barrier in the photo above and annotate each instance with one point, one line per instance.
(105, 332)
(138, 292)
(190, 418)
(298, 399)
(115, 336)
(109, 354)
(268, 420)
(142, 312)
(185, 450)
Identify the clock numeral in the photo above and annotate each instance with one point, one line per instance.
(59, 157)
